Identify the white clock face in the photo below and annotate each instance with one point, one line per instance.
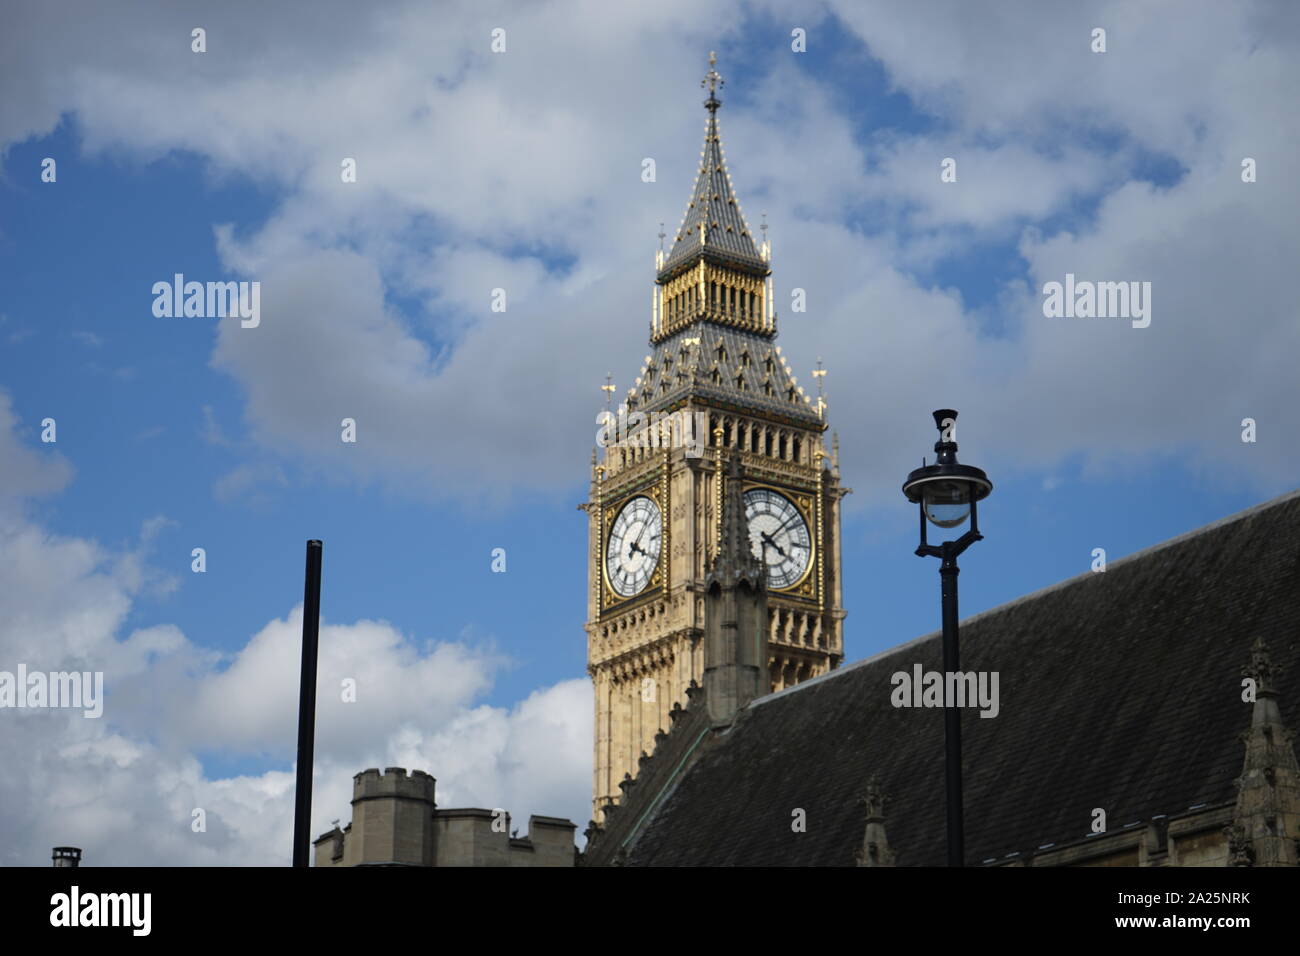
(779, 536)
(632, 552)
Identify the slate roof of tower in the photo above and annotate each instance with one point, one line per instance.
(1119, 690)
(674, 359)
(714, 205)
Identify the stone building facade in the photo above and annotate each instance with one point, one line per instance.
(396, 822)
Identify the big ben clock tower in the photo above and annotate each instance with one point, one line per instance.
(719, 412)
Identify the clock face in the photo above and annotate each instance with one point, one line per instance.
(632, 552)
(779, 536)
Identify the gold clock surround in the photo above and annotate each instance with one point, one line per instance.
(805, 503)
(657, 491)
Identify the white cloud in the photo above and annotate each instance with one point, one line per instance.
(27, 472)
(124, 786)
(88, 339)
(474, 175)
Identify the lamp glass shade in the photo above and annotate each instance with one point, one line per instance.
(946, 503)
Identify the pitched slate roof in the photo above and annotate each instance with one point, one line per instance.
(714, 210)
(656, 774)
(1119, 690)
(747, 371)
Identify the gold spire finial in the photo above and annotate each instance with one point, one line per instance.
(713, 82)
(608, 388)
(819, 373)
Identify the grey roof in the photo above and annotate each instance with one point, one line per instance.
(748, 373)
(1119, 690)
(714, 206)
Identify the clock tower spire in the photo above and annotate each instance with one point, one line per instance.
(714, 427)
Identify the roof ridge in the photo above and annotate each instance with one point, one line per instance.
(1042, 592)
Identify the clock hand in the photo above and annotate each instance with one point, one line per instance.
(767, 539)
(787, 522)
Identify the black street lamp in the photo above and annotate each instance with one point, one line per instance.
(947, 493)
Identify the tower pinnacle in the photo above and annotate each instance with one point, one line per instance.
(735, 559)
(714, 271)
(712, 80)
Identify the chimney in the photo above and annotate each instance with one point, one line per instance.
(67, 856)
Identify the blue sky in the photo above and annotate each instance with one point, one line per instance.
(522, 172)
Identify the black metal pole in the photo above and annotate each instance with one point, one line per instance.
(307, 705)
(948, 572)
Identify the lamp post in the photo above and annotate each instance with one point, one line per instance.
(307, 705)
(947, 494)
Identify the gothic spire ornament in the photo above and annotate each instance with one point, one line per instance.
(713, 81)
(713, 227)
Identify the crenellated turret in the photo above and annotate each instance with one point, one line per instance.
(392, 818)
(395, 822)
